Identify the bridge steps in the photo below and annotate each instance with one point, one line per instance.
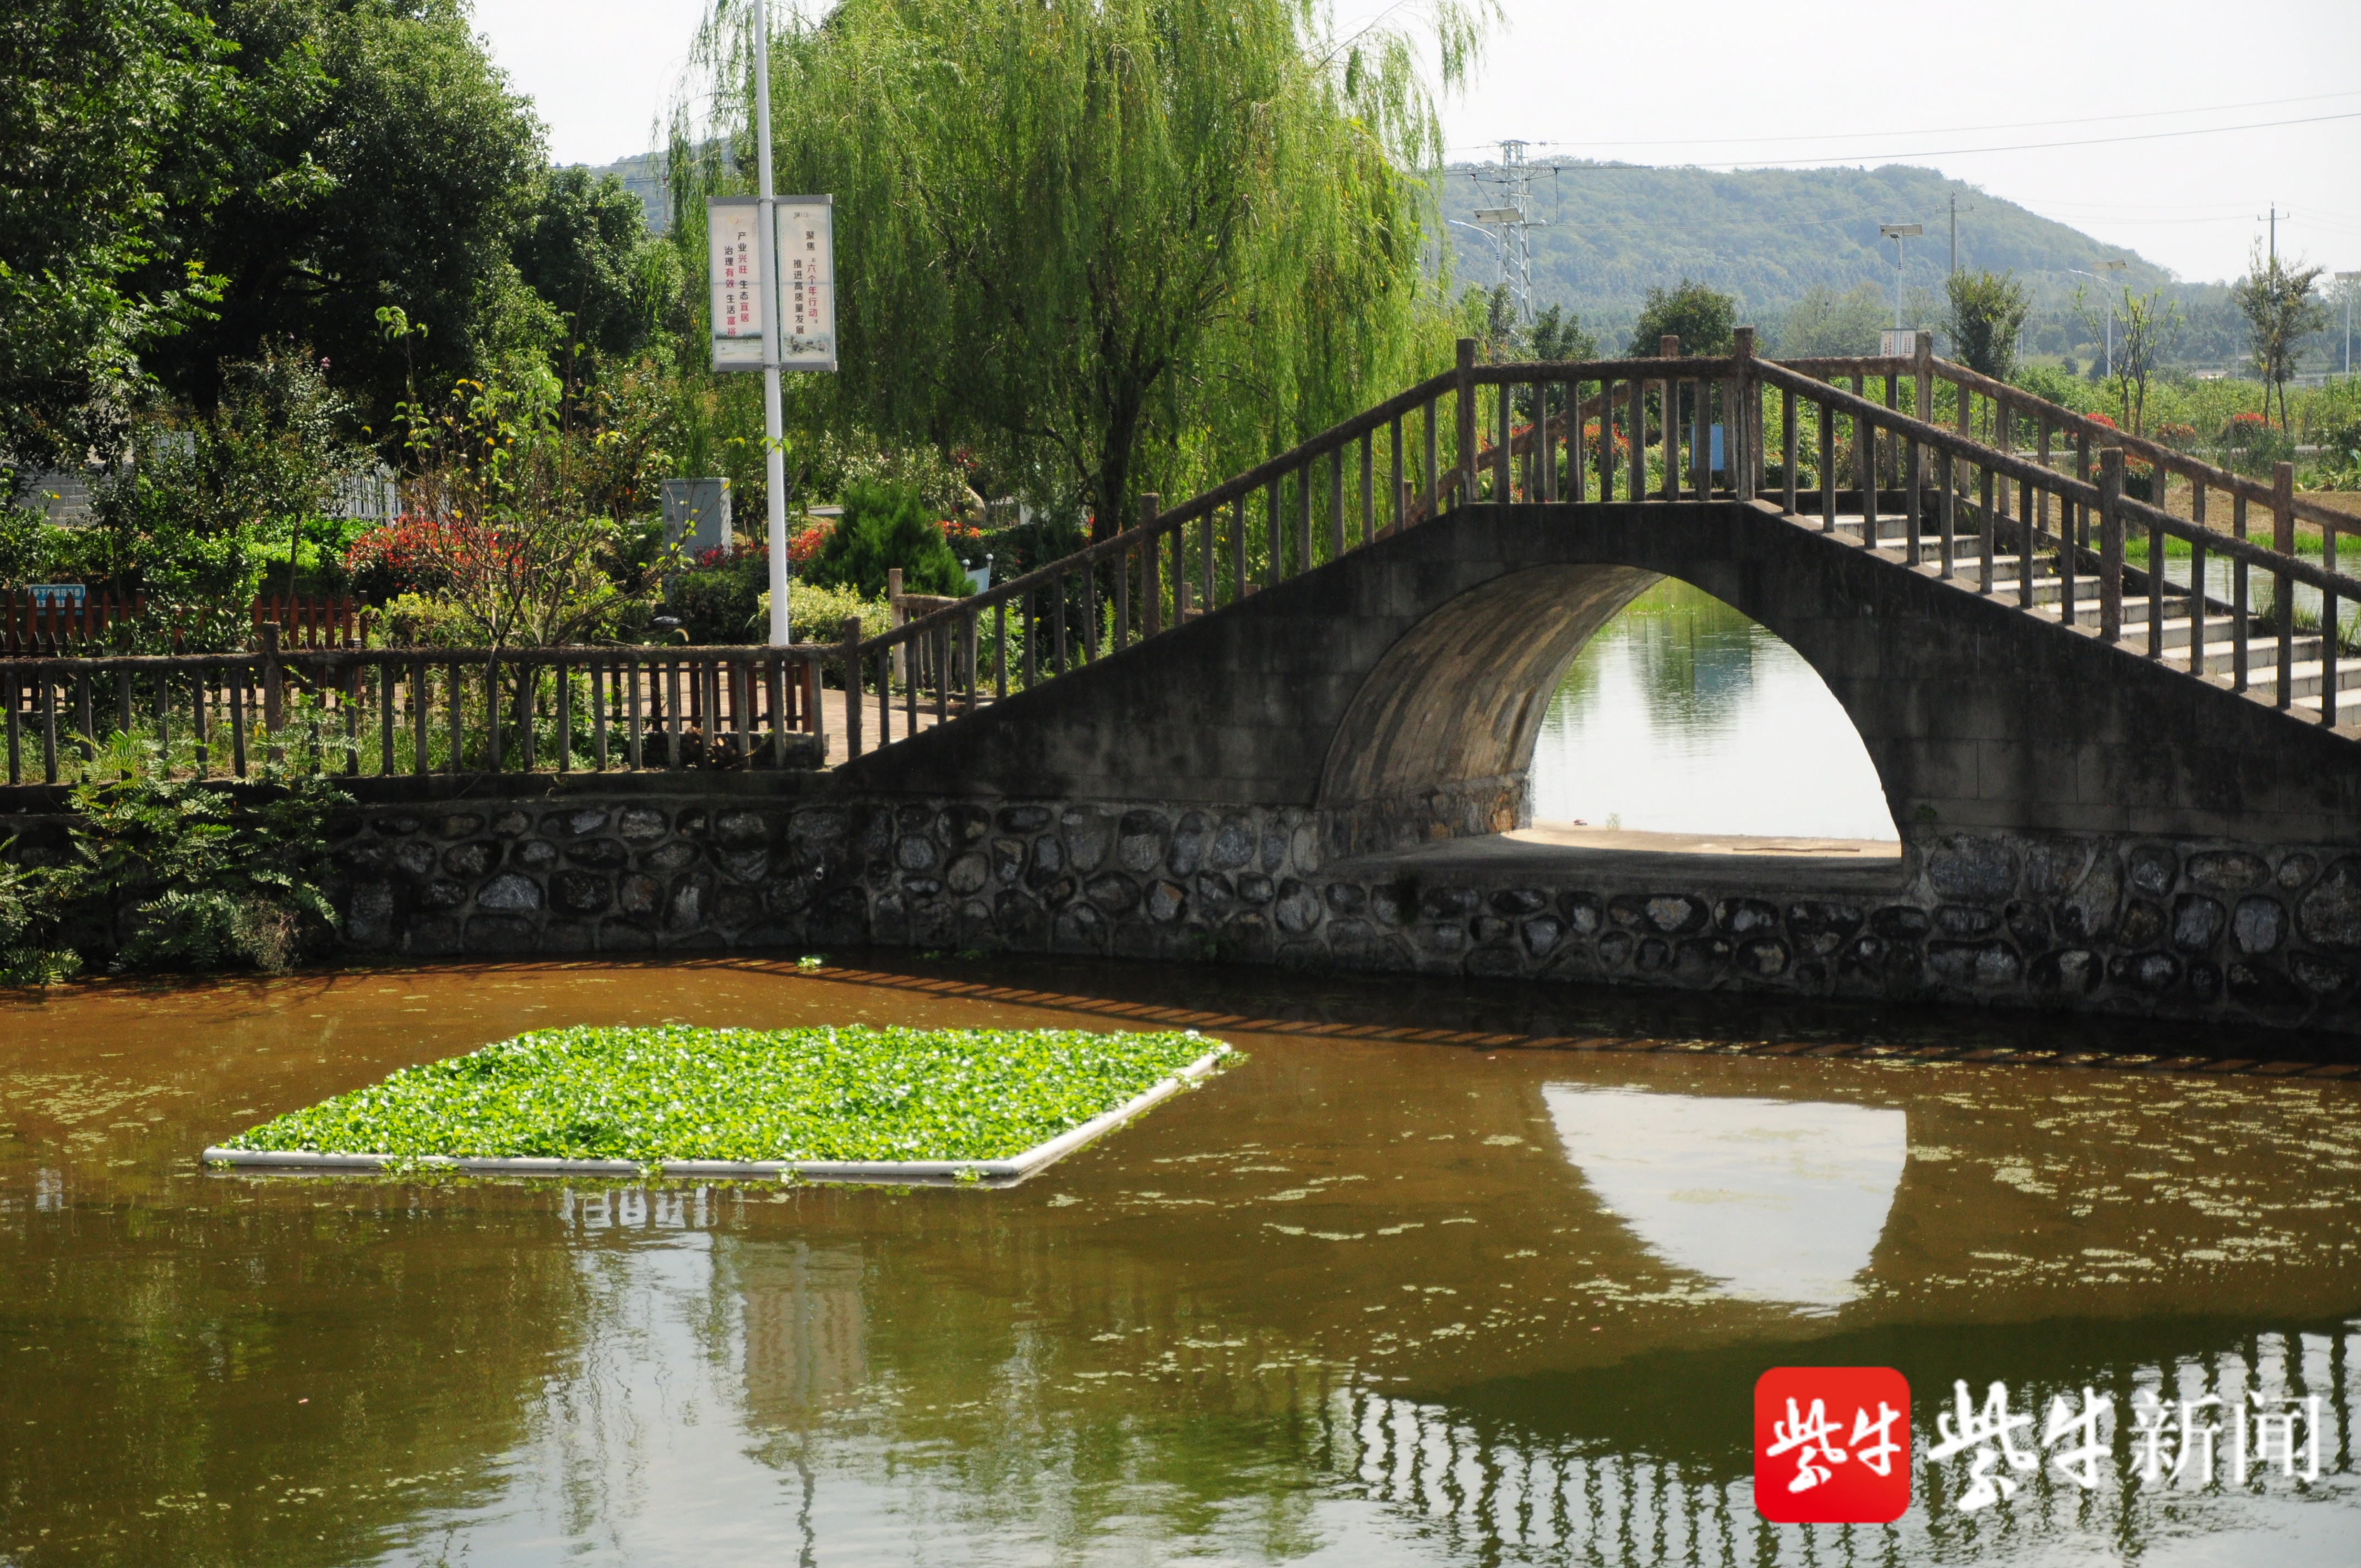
(2308, 671)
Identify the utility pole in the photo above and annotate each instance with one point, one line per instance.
(775, 454)
(1955, 234)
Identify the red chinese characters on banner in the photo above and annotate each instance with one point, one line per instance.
(1831, 1445)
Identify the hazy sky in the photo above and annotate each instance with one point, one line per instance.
(1719, 84)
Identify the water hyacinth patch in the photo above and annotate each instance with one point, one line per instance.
(677, 1092)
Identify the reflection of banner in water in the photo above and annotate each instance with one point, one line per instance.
(806, 1345)
(1488, 1488)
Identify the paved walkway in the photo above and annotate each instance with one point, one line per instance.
(1560, 851)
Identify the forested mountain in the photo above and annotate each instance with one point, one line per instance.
(1799, 248)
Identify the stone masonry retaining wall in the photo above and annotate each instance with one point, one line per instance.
(2177, 928)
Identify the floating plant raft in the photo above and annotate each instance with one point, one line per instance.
(852, 1104)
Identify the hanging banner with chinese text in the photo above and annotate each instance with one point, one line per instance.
(732, 226)
(807, 282)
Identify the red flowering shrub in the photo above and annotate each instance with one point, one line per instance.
(965, 539)
(2100, 420)
(412, 554)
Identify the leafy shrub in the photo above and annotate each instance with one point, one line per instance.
(28, 922)
(885, 526)
(203, 875)
(816, 614)
(716, 600)
(27, 545)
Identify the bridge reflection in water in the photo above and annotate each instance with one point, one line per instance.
(1621, 1470)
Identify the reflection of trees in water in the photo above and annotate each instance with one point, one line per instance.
(161, 1423)
(1691, 654)
(1631, 1465)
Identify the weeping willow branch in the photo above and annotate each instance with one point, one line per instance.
(1068, 231)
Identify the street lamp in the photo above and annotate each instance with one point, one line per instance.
(2350, 280)
(1500, 246)
(1898, 233)
(2111, 266)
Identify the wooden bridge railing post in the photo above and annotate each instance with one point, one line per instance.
(1151, 583)
(1826, 420)
(1464, 410)
(2283, 585)
(1504, 470)
(1668, 398)
(1635, 488)
(1737, 443)
(2111, 544)
(1787, 450)
(850, 633)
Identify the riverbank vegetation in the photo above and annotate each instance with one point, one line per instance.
(680, 1093)
(156, 870)
(326, 267)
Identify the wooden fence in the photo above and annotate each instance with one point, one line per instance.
(391, 712)
(98, 623)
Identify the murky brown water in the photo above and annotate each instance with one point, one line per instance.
(1392, 1291)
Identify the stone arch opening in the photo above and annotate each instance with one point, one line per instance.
(1439, 740)
(1685, 715)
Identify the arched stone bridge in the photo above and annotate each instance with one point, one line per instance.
(1259, 727)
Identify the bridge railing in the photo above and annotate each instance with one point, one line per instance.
(1941, 469)
(418, 711)
(1665, 428)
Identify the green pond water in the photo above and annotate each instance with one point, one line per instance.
(1403, 1288)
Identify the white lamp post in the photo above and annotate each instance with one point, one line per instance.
(1898, 233)
(2351, 280)
(771, 311)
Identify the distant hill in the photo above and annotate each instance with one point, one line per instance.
(1776, 237)
(643, 176)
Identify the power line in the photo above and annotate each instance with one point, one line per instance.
(1955, 130)
(1955, 151)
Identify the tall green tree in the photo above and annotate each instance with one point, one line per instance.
(1703, 319)
(1825, 323)
(104, 108)
(2282, 307)
(378, 157)
(1987, 311)
(2145, 328)
(1123, 244)
(584, 247)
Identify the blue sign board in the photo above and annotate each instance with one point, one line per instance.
(70, 595)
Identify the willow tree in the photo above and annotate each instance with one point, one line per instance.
(1123, 245)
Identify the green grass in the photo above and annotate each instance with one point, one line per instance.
(676, 1093)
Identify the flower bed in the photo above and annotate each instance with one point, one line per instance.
(654, 1096)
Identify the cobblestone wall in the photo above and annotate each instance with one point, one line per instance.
(2189, 929)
